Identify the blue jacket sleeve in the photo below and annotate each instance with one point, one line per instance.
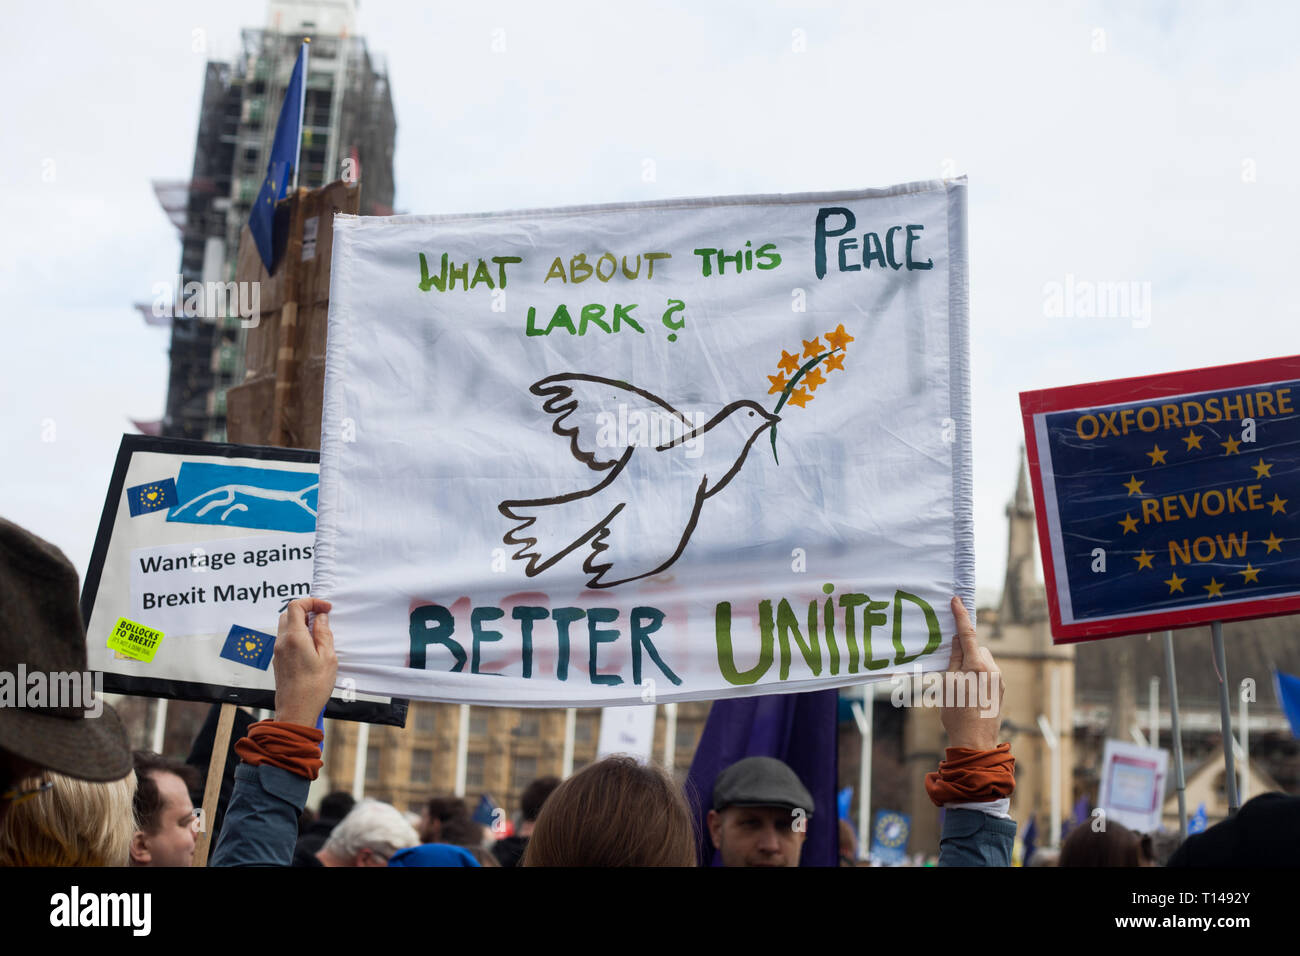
(261, 825)
(975, 838)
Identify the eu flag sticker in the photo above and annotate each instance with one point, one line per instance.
(146, 499)
(246, 646)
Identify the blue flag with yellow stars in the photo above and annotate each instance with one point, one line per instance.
(889, 836)
(154, 496)
(1174, 503)
(281, 163)
(247, 646)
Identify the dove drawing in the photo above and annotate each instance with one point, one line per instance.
(637, 520)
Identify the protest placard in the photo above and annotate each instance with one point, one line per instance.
(1168, 500)
(640, 453)
(1133, 785)
(200, 548)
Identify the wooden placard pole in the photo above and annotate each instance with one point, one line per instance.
(212, 791)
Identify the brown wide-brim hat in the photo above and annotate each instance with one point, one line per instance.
(41, 629)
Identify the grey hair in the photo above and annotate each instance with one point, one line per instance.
(374, 825)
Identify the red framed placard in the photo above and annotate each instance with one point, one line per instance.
(1083, 440)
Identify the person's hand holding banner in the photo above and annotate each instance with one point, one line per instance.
(305, 665)
(974, 717)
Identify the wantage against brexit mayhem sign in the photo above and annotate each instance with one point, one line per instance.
(650, 452)
(1170, 500)
(200, 548)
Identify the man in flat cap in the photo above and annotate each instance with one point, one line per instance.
(760, 813)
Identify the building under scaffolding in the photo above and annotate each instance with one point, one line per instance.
(348, 133)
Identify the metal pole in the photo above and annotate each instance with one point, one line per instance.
(462, 750)
(570, 727)
(1177, 732)
(360, 762)
(1053, 744)
(862, 714)
(1225, 716)
(1245, 752)
(670, 736)
(1056, 758)
(302, 114)
(1153, 712)
(160, 724)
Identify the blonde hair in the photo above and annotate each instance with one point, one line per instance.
(75, 823)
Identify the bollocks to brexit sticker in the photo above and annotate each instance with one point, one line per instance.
(134, 640)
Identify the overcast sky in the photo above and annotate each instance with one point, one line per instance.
(1153, 143)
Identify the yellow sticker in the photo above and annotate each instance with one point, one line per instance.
(135, 640)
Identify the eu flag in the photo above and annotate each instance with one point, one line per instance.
(151, 497)
(246, 646)
(1288, 693)
(485, 812)
(282, 163)
(889, 837)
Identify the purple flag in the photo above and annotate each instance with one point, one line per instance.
(799, 729)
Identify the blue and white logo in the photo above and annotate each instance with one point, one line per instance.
(242, 497)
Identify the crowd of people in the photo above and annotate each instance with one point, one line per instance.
(72, 793)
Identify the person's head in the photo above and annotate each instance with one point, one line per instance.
(368, 836)
(463, 831)
(530, 802)
(436, 813)
(1114, 846)
(615, 812)
(760, 814)
(41, 632)
(335, 806)
(164, 816)
(70, 823)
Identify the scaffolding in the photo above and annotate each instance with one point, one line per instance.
(348, 115)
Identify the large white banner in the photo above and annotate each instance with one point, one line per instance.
(651, 452)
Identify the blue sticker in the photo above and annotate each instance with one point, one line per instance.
(155, 496)
(244, 497)
(246, 646)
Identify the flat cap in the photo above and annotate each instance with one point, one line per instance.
(760, 782)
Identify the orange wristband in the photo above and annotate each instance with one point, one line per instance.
(972, 776)
(291, 747)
